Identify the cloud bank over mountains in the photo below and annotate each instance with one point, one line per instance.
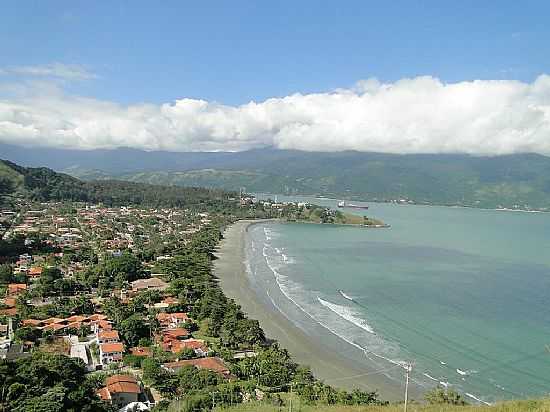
(418, 115)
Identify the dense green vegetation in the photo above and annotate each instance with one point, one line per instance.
(47, 382)
(43, 184)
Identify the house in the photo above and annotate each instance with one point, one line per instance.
(175, 334)
(32, 322)
(35, 272)
(16, 288)
(111, 352)
(149, 284)
(172, 320)
(176, 346)
(170, 300)
(107, 336)
(101, 325)
(9, 302)
(120, 390)
(214, 364)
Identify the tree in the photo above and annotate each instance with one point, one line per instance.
(6, 274)
(47, 382)
(133, 329)
(46, 284)
(28, 333)
(440, 396)
(186, 353)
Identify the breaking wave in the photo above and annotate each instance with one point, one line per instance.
(348, 314)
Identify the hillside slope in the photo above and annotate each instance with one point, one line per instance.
(43, 184)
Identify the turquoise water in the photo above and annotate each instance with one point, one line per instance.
(462, 293)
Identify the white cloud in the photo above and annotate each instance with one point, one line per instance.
(57, 70)
(419, 115)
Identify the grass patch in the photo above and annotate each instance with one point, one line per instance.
(539, 405)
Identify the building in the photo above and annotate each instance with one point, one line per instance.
(149, 284)
(214, 364)
(120, 390)
(172, 320)
(107, 336)
(16, 288)
(111, 352)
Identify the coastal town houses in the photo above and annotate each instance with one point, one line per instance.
(107, 336)
(149, 284)
(214, 364)
(124, 392)
(111, 353)
(172, 320)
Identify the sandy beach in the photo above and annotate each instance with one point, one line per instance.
(325, 364)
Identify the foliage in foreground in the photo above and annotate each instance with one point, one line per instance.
(47, 382)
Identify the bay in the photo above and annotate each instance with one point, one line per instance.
(462, 293)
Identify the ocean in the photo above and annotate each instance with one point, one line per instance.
(461, 293)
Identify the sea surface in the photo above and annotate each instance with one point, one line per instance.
(463, 294)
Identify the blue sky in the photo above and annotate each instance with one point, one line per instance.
(400, 76)
(236, 51)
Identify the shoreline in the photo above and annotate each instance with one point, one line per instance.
(326, 365)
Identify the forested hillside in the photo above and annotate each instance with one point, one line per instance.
(43, 184)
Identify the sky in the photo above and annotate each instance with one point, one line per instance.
(400, 77)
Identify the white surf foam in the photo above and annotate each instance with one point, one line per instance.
(476, 398)
(348, 314)
(286, 286)
(345, 296)
(430, 377)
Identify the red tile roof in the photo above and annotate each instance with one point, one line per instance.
(122, 384)
(104, 394)
(35, 271)
(15, 288)
(108, 334)
(214, 364)
(112, 347)
(175, 333)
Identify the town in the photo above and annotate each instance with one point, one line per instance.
(128, 294)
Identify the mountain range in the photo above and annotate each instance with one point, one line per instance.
(511, 181)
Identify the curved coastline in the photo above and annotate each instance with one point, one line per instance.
(325, 363)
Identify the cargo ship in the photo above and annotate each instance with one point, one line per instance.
(351, 205)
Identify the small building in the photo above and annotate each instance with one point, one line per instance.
(149, 284)
(214, 364)
(172, 320)
(111, 352)
(107, 336)
(15, 289)
(35, 272)
(120, 390)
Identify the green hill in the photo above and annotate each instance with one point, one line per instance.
(43, 184)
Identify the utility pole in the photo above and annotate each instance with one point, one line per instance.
(290, 402)
(408, 369)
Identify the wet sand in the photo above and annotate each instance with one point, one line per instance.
(325, 363)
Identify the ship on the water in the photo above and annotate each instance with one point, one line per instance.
(351, 205)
